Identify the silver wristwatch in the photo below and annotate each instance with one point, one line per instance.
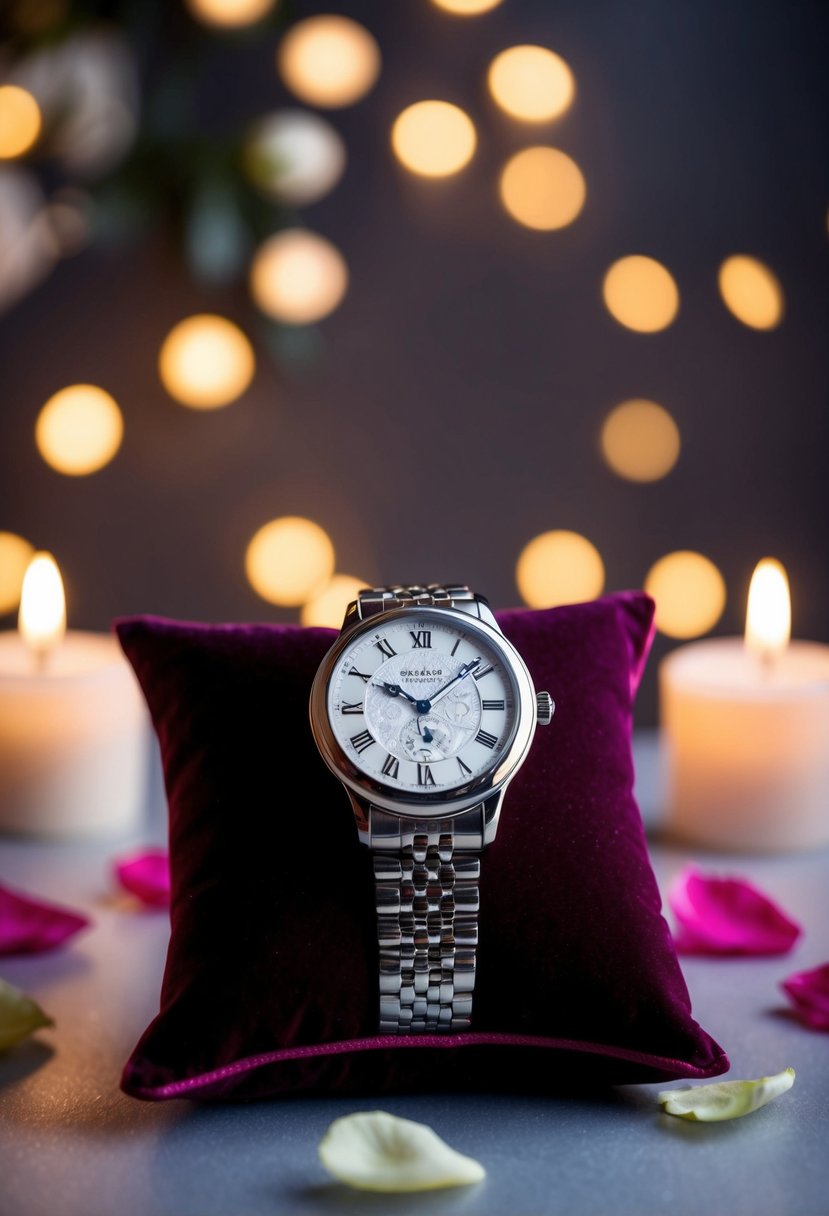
(425, 711)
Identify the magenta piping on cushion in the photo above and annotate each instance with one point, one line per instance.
(180, 1089)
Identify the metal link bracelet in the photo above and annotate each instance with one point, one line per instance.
(427, 892)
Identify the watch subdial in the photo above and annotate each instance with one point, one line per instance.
(427, 737)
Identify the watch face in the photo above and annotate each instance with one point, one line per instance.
(423, 704)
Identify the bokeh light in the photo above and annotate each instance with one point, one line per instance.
(531, 83)
(689, 593)
(327, 608)
(294, 156)
(542, 188)
(328, 60)
(751, 292)
(640, 440)
(20, 121)
(298, 277)
(79, 429)
(15, 555)
(289, 561)
(206, 362)
(433, 138)
(641, 294)
(466, 8)
(559, 567)
(230, 14)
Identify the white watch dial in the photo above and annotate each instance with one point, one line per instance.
(422, 704)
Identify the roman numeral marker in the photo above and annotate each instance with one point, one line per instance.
(362, 741)
(421, 639)
(354, 672)
(488, 740)
(424, 775)
(385, 648)
(466, 771)
(391, 767)
(493, 705)
(348, 708)
(481, 672)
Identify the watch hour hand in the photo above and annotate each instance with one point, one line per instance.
(394, 690)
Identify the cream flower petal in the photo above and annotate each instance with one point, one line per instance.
(725, 1099)
(376, 1151)
(19, 1015)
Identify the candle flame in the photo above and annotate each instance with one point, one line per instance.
(769, 614)
(42, 616)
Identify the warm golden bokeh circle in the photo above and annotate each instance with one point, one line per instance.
(640, 440)
(542, 188)
(751, 291)
(230, 14)
(328, 60)
(15, 555)
(559, 567)
(289, 560)
(20, 121)
(531, 83)
(206, 362)
(298, 277)
(640, 293)
(689, 593)
(327, 607)
(433, 138)
(79, 429)
(466, 8)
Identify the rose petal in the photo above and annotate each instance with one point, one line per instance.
(147, 876)
(724, 1099)
(727, 915)
(19, 1015)
(809, 992)
(376, 1151)
(29, 926)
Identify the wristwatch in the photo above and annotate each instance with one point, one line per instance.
(425, 711)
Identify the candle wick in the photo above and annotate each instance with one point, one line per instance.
(41, 656)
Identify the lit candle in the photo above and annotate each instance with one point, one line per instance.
(74, 732)
(745, 730)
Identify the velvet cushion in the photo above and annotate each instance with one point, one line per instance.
(270, 984)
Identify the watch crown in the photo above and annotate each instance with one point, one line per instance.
(545, 708)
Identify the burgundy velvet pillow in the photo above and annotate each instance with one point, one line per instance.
(270, 985)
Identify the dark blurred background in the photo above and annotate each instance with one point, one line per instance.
(449, 408)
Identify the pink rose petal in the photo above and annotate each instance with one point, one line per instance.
(147, 876)
(809, 993)
(30, 926)
(727, 916)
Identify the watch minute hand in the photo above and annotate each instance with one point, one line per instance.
(461, 675)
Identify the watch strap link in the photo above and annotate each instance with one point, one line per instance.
(427, 916)
(373, 600)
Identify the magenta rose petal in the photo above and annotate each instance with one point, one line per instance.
(31, 926)
(146, 875)
(727, 916)
(809, 993)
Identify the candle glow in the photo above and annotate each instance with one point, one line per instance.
(42, 615)
(769, 613)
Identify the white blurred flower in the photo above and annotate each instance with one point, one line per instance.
(294, 156)
(88, 91)
(27, 247)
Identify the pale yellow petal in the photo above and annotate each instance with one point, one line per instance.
(725, 1099)
(19, 1016)
(376, 1151)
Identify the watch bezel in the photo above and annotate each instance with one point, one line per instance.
(451, 800)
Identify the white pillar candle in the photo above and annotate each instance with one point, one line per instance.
(74, 730)
(745, 732)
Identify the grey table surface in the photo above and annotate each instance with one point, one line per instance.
(72, 1144)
